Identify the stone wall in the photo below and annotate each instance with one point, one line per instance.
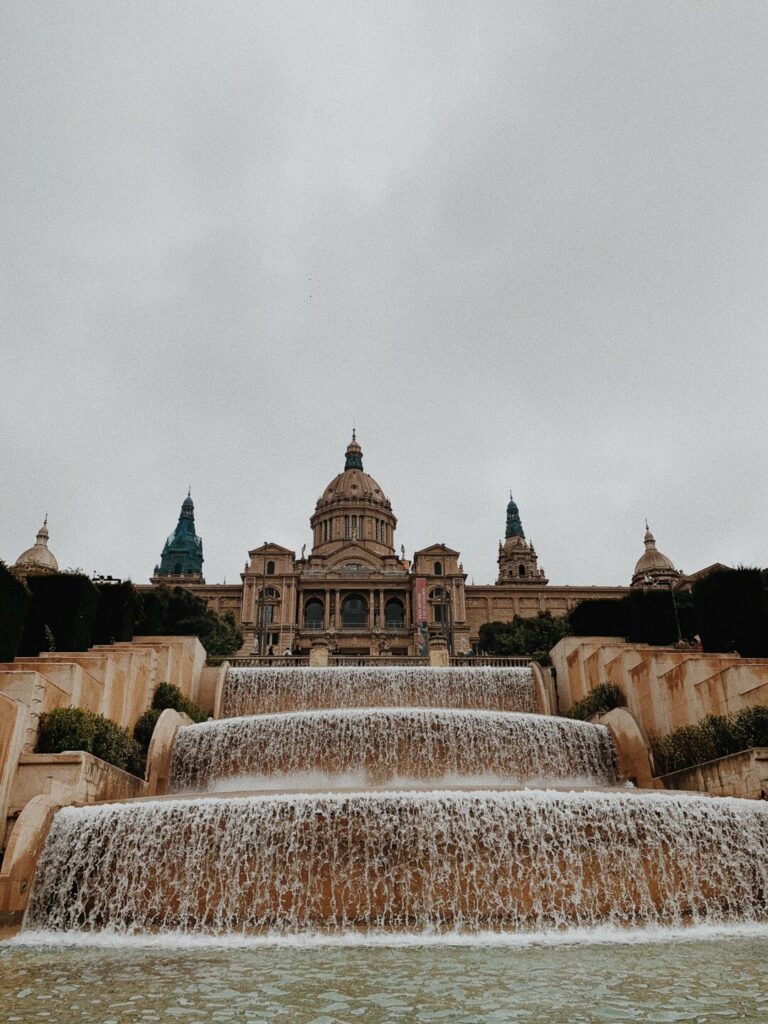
(665, 687)
(117, 681)
(744, 774)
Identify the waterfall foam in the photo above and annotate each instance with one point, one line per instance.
(252, 691)
(376, 745)
(415, 862)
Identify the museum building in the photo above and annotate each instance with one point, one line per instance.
(355, 590)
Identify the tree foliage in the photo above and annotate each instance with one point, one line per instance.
(603, 616)
(175, 611)
(116, 612)
(65, 603)
(523, 637)
(14, 601)
(731, 612)
(653, 617)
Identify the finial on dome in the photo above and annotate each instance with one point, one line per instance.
(354, 459)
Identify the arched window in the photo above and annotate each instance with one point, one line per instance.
(354, 611)
(438, 568)
(313, 613)
(394, 614)
(521, 571)
(270, 568)
(177, 569)
(438, 599)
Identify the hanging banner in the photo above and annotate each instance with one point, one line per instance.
(420, 600)
(420, 609)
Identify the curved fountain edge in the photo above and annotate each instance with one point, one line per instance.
(21, 856)
(160, 751)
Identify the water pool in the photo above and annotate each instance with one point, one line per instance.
(704, 980)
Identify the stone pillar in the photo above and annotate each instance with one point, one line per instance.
(438, 652)
(320, 654)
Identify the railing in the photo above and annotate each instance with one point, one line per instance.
(341, 660)
(490, 661)
(267, 661)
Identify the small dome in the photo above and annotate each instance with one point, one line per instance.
(652, 562)
(38, 556)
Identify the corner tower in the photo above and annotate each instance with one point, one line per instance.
(518, 562)
(182, 555)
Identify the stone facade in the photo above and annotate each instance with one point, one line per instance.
(358, 593)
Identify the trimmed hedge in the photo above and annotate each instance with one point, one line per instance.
(14, 602)
(64, 603)
(731, 612)
(653, 617)
(715, 736)
(602, 616)
(116, 612)
(77, 729)
(604, 697)
(149, 613)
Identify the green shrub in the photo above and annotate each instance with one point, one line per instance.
(142, 731)
(603, 616)
(14, 602)
(115, 613)
(66, 729)
(714, 736)
(64, 603)
(604, 697)
(77, 729)
(169, 696)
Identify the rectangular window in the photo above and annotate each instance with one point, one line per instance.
(346, 527)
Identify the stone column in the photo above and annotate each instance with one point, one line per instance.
(319, 654)
(438, 652)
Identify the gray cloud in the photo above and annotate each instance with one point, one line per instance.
(520, 245)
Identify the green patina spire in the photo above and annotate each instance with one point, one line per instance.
(514, 526)
(183, 551)
(354, 458)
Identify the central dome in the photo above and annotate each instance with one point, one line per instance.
(353, 484)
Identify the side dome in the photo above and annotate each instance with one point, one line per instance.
(38, 558)
(653, 567)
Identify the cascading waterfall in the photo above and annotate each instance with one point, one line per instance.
(521, 860)
(253, 691)
(459, 855)
(386, 744)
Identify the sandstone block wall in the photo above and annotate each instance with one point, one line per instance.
(744, 774)
(665, 687)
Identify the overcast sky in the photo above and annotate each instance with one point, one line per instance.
(520, 245)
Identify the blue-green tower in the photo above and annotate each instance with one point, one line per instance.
(183, 551)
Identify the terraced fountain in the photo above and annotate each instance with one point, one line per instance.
(400, 800)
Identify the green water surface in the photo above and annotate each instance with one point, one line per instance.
(680, 980)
